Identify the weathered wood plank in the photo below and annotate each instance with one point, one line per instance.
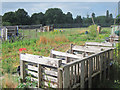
(66, 54)
(39, 75)
(90, 49)
(45, 77)
(66, 77)
(49, 72)
(107, 44)
(84, 59)
(82, 82)
(40, 60)
(101, 63)
(22, 70)
(104, 65)
(90, 74)
(108, 64)
(71, 75)
(60, 78)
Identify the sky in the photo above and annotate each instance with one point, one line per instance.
(76, 8)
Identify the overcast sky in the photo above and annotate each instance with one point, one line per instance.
(76, 8)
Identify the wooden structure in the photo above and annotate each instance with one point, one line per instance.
(47, 28)
(9, 31)
(30, 26)
(70, 72)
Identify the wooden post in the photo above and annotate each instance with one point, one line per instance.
(66, 77)
(87, 68)
(60, 73)
(22, 70)
(52, 55)
(100, 68)
(104, 56)
(60, 78)
(108, 63)
(71, 51)
(82, 74)
(36, 33)
(29, 33)
(72, 75)
(90, 74)
(67, 59)
(39, 75)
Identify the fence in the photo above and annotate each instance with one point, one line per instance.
(65, 70)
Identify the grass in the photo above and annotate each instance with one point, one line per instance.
(43, 43)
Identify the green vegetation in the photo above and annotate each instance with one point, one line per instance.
(55, 16)
(59, 40)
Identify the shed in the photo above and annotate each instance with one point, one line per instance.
(9, 31)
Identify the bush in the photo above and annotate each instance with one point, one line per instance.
(6, 24)
(93, 30)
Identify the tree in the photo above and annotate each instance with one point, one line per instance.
(78, 19)
(107, 13)
(93, 15)
(10, 18)
(111, 16)
(54, 16)
(22, 17)
(69, 18)
(37, 18)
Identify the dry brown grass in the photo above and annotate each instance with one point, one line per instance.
(61, 39)
(8, 82)
(46, 40)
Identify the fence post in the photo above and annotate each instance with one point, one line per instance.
(36, 33)
(60, 72)
(60, 78)
(90, 73)
(82, 82)
(71, 51)
(52, 55)
(39, 75)
(104, 58)
(66, 77)
(22, 70)
(108, 63)
(101, 62)
(67, 59)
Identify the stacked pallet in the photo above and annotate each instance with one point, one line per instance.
(68, 70)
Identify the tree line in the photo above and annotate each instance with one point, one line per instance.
(54, 16)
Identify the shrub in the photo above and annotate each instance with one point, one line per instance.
(93, 30)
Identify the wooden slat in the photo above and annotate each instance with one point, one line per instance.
(22, 70)
(45, 77)
(51, 85)
(66, 77)
(39, 75)
(84, 59)
(99, 44)
(49, 72)
(84, 49)
(65, 54)
(82, 82)
(104, 65)
(71, 75)
(40, 60)
(108, 64)
(90, 74)
(44, 83)
(60, 78)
